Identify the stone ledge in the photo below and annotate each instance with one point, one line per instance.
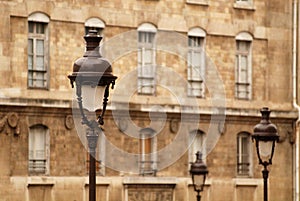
(201, 2)
(245, 6)
(247, 182)
(150, 180)
(102, 181)
(40, 181)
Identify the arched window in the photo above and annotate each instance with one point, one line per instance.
(38, 141)
(196, 143)
(196, 62)
(94, 24)
(38, 51)
(243, 66)
(244, 154)
(146, 58)
(148, 155)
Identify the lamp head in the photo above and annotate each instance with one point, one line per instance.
(92, 69)
(265, 135)
(92, 75)
(198, 172)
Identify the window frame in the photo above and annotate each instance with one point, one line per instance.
(198, 80)
(247, 39)
(240, 154)
(33, 132)
(194, 136)
(38, 19)
(146, 80)
(148, 154)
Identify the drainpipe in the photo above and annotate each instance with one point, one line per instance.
(295, 104)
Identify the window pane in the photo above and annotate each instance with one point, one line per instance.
(40, 28)
(40, 47)
(243, 153)
(146, 37)
(30, 78)
(30, 46)
(194, 41)
(30, 62)
(40, 63)
(30, 27)
(147, 71)
(141, 37)
(40, 79)
(150, 37)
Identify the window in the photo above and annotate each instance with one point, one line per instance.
(196, 63)
(244, 154)
(148, 155)
(38, 50)
(146, 59)
(94, 24)
(38, 150)
(196, 143)
(243, 70)
(100, 156)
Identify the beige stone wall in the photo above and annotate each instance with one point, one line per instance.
(221, 20)
(68, 175)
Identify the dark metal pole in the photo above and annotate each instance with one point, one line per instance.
(92, 138)
(198, 196)
(265, 173)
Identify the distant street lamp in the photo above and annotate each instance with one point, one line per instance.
(198, 173)
(93, 76)
(265, 135)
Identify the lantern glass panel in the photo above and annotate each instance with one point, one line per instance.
(265, 149)
(198, 181)
(92, 97)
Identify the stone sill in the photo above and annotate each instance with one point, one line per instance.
(99, 181)
(150, 180)
(244, 6)
(40, 181)
(202, 2)
(247, 182)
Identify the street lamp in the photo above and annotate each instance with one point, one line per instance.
(198, 172)
(265, 135)
(92, 75)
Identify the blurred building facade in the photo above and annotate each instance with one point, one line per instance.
(202, 69)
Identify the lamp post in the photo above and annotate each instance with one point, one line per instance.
(265, 135)
(92, 75)
(198, 172)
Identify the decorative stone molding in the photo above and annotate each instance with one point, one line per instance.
(9, 123)
(69, 122)
(143, 188)
(122, 124)
(174, 125)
